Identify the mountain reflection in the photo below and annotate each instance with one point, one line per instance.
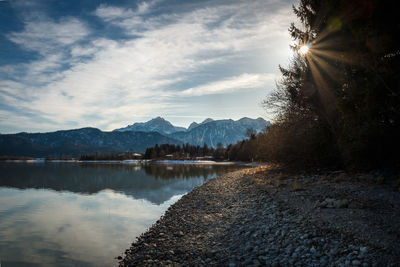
(155, 183)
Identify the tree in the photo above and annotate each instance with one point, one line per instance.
(339, 102)
(251, 133)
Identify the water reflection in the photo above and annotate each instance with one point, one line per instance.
(84, 215)
(155, 183)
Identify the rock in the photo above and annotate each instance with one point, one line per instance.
(262, 258)
(356, 262)
(289, 249)
(333, 251)
(344, 203)
(305, 236)
(323, 261)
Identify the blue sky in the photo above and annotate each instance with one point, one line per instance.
(106, 64)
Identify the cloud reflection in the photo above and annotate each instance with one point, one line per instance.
(68, 214)
(49, 227)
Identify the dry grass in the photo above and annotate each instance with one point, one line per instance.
(267, 175)
(257, 170)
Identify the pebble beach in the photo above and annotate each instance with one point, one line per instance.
(267, 216)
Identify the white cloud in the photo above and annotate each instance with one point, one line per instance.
(115, 81)
(44, 35)
(244, 81)
(110, 13)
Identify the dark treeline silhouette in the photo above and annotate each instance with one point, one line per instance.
(5, 157)
(180, 152)
(110, 156)
(338, 104)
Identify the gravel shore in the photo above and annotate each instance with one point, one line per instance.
(269, 217)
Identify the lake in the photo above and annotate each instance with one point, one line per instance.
(76, 214)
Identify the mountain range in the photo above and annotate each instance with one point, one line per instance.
(136, 137)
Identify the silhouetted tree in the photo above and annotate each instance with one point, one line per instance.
(340, 101)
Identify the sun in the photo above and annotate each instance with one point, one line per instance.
(304, 49)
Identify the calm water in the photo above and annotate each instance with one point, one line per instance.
(85, 214)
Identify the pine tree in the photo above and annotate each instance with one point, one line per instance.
(339, 98)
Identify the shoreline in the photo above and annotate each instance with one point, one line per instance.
(138, 162)
(267, 217)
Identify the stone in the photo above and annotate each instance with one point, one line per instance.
(356, 262)
(344, 203)
(305, 236)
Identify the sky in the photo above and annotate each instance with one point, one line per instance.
(69, 64)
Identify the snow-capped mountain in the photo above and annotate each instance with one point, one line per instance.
(210, 132)
(158, 124)
(195, 124)
(220, 131)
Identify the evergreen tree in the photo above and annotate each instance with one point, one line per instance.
(338, 100)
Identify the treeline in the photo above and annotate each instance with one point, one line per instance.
(111, 156)
(339, 102)
(5, 157)
(185, 151)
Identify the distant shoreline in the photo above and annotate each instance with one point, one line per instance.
(137, 162)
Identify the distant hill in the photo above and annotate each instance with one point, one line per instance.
(78, 141)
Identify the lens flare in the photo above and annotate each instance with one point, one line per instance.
(304, 50)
